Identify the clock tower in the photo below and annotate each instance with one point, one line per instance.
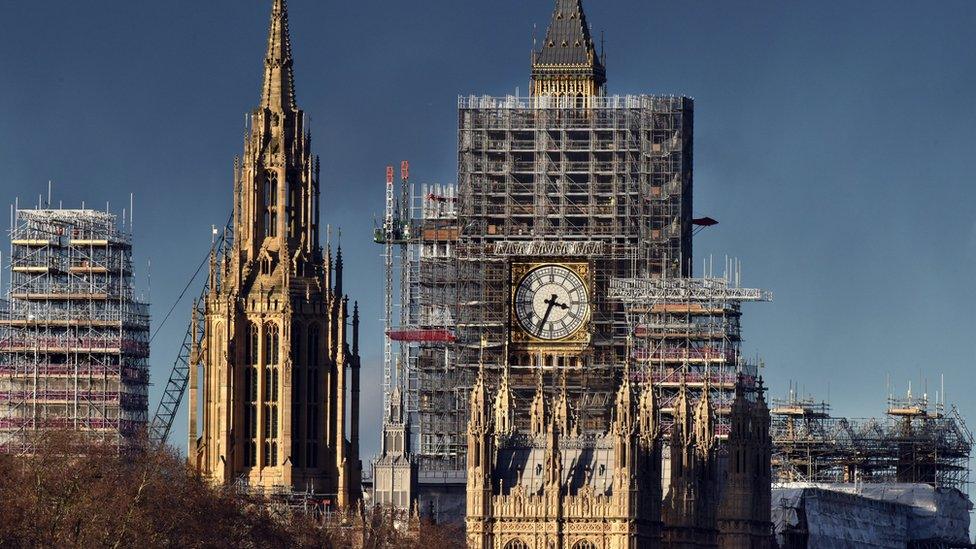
(560, 194)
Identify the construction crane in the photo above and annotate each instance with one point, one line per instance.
(169, 404)
(395, 231)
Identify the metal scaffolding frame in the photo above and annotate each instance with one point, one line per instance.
(74, 339)
(686, 331)
(539, 177)
(914, 442)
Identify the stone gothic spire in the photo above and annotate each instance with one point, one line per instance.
(704, 422)
(278, 93)
(480, 408)
(567, 64)
(276, 208)
(682, 433)
(503, 406)
(561, 413)
(276, 347)
(624, 408)
(646, 413)
(537, 409)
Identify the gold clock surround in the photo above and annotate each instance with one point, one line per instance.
(523, 339)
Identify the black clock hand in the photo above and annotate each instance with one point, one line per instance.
(551, 302)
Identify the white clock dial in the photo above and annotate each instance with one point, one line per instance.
(551, 302)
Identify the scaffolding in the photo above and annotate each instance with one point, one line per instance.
(74, 339)
(419, 233)
(914, 442)
(427, 330)
(687, 332)
(540, 179)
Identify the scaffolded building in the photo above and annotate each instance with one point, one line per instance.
(540, 178)
(686, 332)
(593, 191)
(916, 442)
(420, 378)
(895, 481)
(537, 178)
(74, 339)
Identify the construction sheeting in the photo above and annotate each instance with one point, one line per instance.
(869, 515)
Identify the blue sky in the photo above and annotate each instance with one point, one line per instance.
(835, 143)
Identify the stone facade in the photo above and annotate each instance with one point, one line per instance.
(278, 357)
(554, 486)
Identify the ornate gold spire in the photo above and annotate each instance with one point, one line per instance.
(537, 410)
(279, 80)
(503, 406)
(561, 409)
(567, 65)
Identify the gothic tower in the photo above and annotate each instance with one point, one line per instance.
(277, 374)
(744, 514)
(690, 506)
(567, 65)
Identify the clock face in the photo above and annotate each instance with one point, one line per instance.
(551, 302)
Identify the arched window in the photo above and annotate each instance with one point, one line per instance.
(271, 361)
(271, 420)
(292, 207)
(516, 544)
(312, 455)
(251, 394)
(297, 391)
(251, 455)
(312, 394)
(313, 346)
(271, 204)
(583, 544)
(251, 350)
(271, 346)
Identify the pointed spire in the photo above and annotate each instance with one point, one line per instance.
(704, 418)
(569, 49)
(479, 408)
(537, 410)
(395, 413)
(682, 417)
(341, 331)
(278, 93)
(624, 408)
(503, 406)
(561, 415)
(355, 328)
(328, 267)
(647, 411)
(338, 272)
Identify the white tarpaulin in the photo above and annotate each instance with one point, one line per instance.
(870, 515)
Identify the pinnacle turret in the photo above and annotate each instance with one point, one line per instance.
(278, 92)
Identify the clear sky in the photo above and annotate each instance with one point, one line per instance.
(835, 143)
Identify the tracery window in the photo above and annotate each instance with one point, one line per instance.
(313, 419)
(271, 370)
(292, 207)
(584, 544)
(251, 394)
(271, 204)
(516, 544)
